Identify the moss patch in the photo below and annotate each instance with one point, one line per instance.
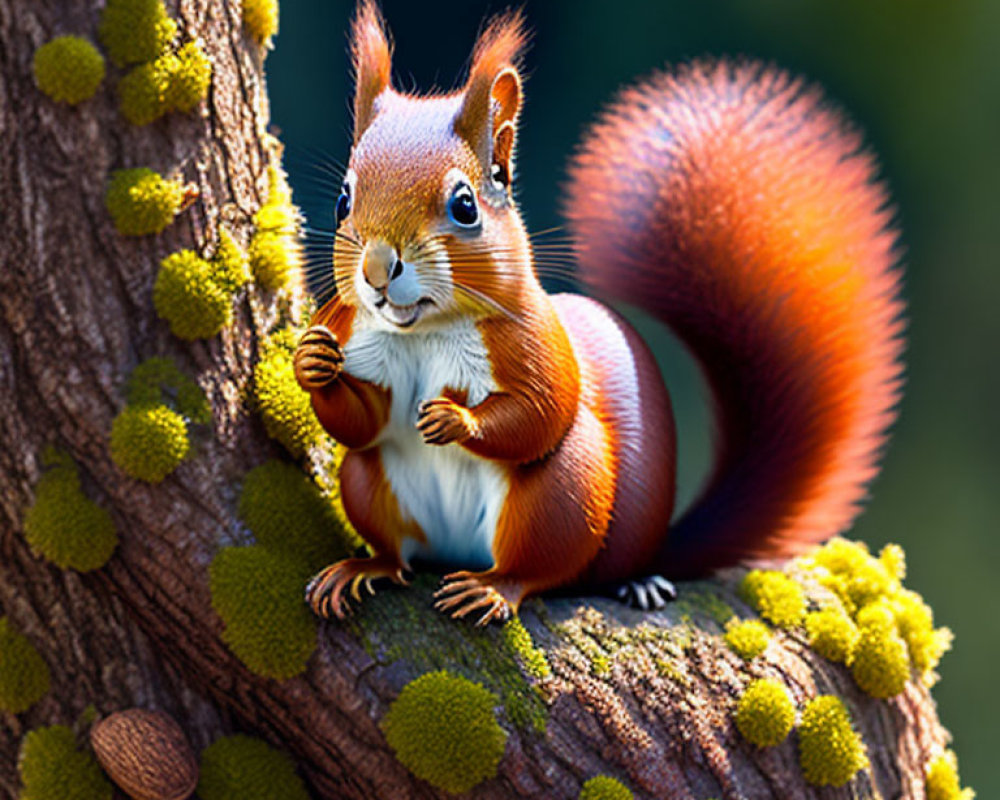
(604, 787)
(149, 442)
(68, 69)
(748, 638)
(135, 31)
(24, 675)
(286, 409)
(63, 525)
(51, 768)
(142, 202)
(830, 751)
(260, 18)
(765, 713)
(443, 729)
(398, 626)
(258, 595)
(244, 768)
(942, 779)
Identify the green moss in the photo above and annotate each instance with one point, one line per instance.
(604, 787)
(443, 729)
(942, 779)
(288, 514)
(881, 662)
(274, 260)
(830, 752)
(173, 82)
(142, 92)
(832, 634)
(188, 298)
(68, 69)
(24, 675)
(915, 623)
(229, 264)
(258, 595)
(243, 768)
(141, 202)
(765, 713)
(778, 598)
(518, 640)
(260, 18)
(748, 638)
(135, 31)
(285, 409)
(278, 214)
(158, 381)
(191, 79)
(51, 768)
(149, 442)
(64, 526)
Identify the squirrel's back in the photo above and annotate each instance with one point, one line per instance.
(734, 205)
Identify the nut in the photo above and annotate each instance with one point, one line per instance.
(147, 754)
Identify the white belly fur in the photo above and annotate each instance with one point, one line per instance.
(454, 496)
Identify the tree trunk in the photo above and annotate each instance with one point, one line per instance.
(76, 316)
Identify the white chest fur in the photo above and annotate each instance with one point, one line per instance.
(454, 496)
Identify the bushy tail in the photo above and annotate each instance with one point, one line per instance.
(731, 203)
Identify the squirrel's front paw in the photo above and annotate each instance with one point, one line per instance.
(318, 358)
(442, 421)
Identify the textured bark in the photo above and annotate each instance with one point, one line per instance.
(76, 315)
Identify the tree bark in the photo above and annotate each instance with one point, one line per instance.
(76, 316)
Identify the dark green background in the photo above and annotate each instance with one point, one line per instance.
(923, 80)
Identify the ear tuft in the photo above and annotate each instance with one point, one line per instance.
(371, 55)
(500, 45)
(492, 99)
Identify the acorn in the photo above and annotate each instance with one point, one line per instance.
(146, 754)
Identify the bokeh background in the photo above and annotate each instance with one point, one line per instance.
(922, 78)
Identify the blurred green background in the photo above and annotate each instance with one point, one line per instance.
(922, 79)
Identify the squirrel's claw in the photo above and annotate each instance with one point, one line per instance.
(653, 591)
(465, 592)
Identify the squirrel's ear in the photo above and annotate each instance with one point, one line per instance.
(492, 96)
(371, 53)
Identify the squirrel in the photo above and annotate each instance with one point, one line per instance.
(527, 439)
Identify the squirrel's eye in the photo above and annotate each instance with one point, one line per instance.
(462, 206)
(344, 203)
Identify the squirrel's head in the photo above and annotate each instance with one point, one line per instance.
(427, 226)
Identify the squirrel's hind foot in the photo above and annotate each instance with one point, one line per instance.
(461, 593)
(652, 592)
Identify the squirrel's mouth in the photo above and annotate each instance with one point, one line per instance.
(402, 316)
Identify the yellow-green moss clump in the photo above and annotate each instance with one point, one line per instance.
(141, 201)
(135, 31)
(765, 713)
(778, 598)
(63, 525)
(881, 662)
(830, 752)
(604, 787)
(188, 298)
(243, 768)
(51, 768)
(915, 623)
(288, 514)
(832, 634)
(258, 595)
(173, 82)
(68, 69)
(24, 675)
(159, 380)
(275, 257)
(517, 638)
(284, 407)
(260, 18)
(748, 638)
(443, 729)
(149, 442)
(942, 779)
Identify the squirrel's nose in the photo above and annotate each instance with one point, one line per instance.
(381, 264)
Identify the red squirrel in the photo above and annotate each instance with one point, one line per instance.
(527, 439)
